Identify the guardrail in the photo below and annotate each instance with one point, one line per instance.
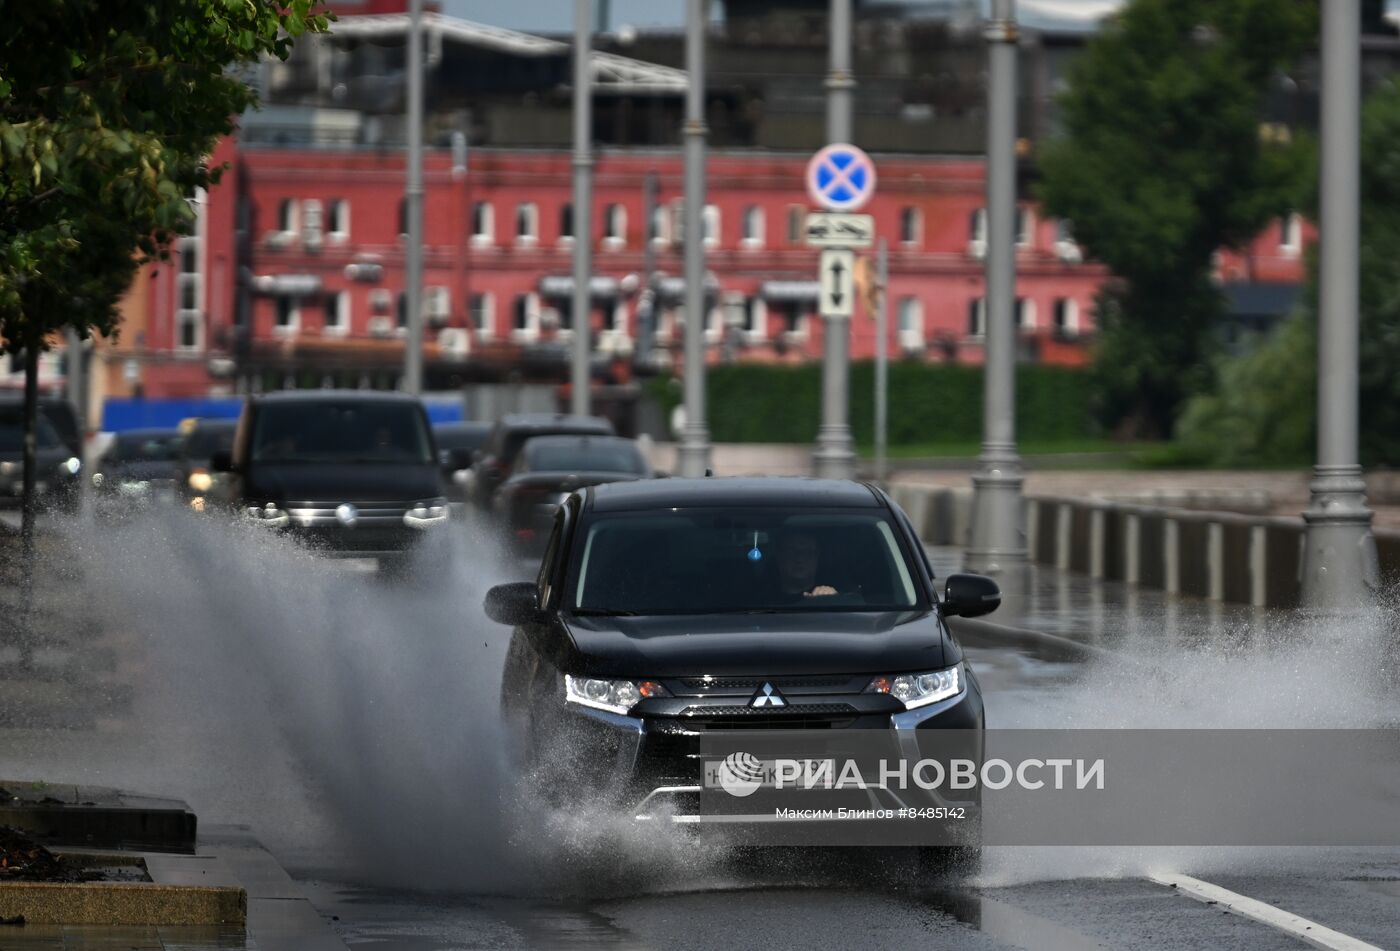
(1224, 556)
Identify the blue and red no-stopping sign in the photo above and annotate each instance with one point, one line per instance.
(840, 178)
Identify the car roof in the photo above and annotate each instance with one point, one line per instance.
(312, 396)
(205, 422)
(153, 432)
(578, 439)
(462, 426)
(592, 424)
(785, 491)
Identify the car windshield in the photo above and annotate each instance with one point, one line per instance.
(742, 560)
(583, 456)
(144, 447)
(203, 441)
(341, 431)
(12, 431)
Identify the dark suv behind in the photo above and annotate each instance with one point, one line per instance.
(497, 460)
(352, 473)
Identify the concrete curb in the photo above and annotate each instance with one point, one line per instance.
(123, 903)
(98, 817)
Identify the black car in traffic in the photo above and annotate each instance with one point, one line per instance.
(137, 470)
(351, 473)
(56, 463)
(666, 609)
(496, 461)
(548, 468)
(201, 487)
(458, 443)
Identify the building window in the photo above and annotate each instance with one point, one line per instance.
(1025, 313)
(615, 319)
(710, 226)
(659, 228)
(337, 314)
(910, 226)
(189, 326)
(525, 317)
(527, 223)
(1290, 233)
(189, 257)
(755, 318)
(189, 293)
(401, 311)
(911, 323)
(977, 233)
(288, 316)
(287, 216)
(615, 227)
(753, 227)
(483, 223)
(788, 317)
(339, 220)
(796, 224)
(977, 317)
(566, 223)
(483, 316)
(1025, 228)
(1066, 316)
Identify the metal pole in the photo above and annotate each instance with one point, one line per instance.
(882, 360)
(580, 377)
(75, 386)
(1339, 556)
(834, 457)
(997, 541)
(413, 200)
(646, 300)
(693, 459)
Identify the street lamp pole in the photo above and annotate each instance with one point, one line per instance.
(834, 457)
(693, 459)
(997, 542)
(1339, 554)
(580, 399)
(413, 201)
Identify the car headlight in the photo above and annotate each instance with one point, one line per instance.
(917, 690)
(269, 515)
(200, 480)
(614, 696)
(426, 514)
(72, 464)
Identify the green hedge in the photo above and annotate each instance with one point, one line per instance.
(929, 403)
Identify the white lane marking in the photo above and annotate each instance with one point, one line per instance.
(1317, 935)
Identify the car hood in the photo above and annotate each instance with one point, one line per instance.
(762, 644)
(360, 482)
(44, 458)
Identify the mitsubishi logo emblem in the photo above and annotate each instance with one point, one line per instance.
(768, 696)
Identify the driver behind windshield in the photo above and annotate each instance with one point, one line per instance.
(798, 561)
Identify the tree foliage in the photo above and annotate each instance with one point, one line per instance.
(1161, 164)
(108, 111)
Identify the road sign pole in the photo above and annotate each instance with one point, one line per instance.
(693, 458)
(580, 376)
(882, 361)
(997, 542)
(1339, 553)
(834, 458)
(413, 200)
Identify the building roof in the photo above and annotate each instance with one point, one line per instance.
(610, 71)
(766, 492)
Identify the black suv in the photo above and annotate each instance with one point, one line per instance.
(667, 609)
(496, 461)
(57, 464)
(353, 473)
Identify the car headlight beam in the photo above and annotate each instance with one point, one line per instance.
(614, 696)
(918, 690)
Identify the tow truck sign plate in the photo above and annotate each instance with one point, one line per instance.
(826, 229)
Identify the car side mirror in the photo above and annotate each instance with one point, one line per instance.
(221, 461)
(513, 603)
(970, 596)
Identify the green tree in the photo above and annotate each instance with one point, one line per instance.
(108, 112)
(1161, 164)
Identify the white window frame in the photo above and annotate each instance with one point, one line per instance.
(911, 338)
(754, 226)
(979, 317)
(531, 331)
(916, 226)
(796, 214)
(1025, 315)
(615, 226)
(710, 222)
(529, 211)
(977, 240)
(293, 325)
(338, 232)
(288, 216)
(487, 235)
(341, 327)
(755, 318)
(487, 330)
(1290, 237)
(1025, 227)
(714, 323)
(661, 224)
(196, 318)
(1070, 327)
(567, 240)
(437, 305)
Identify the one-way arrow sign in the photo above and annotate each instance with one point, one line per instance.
(837, 294)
